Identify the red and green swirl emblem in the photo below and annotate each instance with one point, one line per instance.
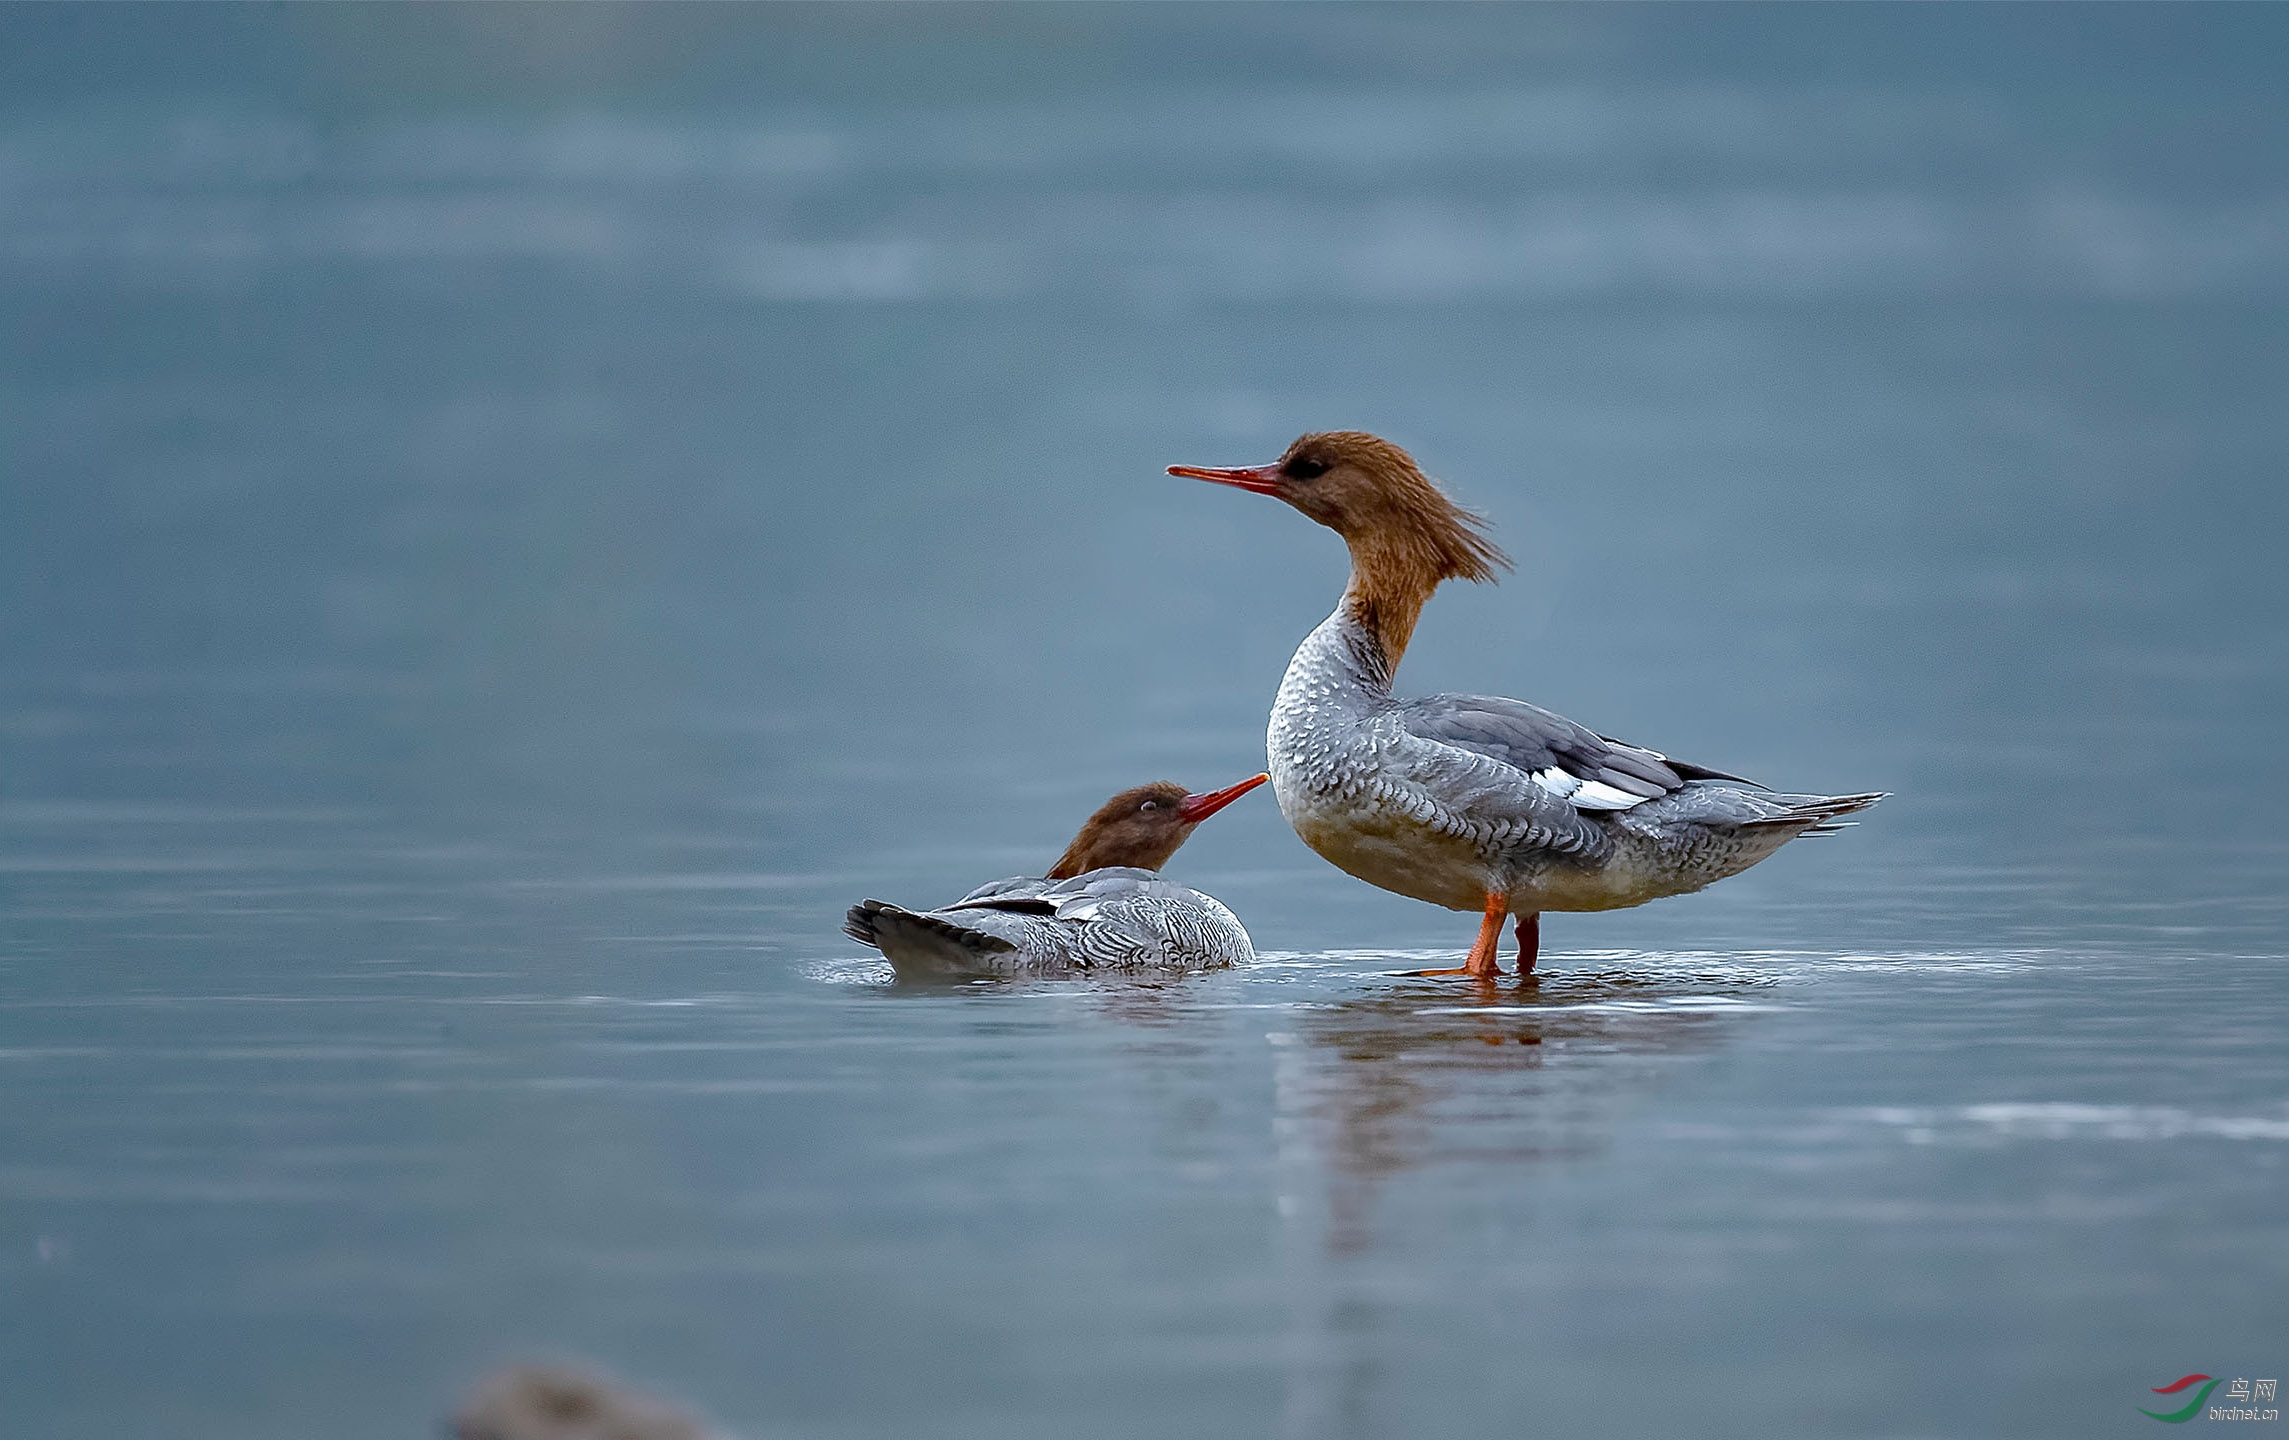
(2193, 1406)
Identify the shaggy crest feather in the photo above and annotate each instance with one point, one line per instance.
(1406, 536)
(1402, 519)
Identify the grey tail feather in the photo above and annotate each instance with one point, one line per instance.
(1822, 810)
(867, 921)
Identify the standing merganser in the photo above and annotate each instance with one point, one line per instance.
(1100, 907)
(1475, 802)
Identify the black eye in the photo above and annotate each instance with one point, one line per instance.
(1148, 805)
(1303, 467)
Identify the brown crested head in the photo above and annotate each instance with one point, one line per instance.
(1143, 826)
(1372, 493)
(1406, 536)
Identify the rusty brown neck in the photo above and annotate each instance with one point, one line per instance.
(1094, 850)
(1390, 584)
(1075, 861)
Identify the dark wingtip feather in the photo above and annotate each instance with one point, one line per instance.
(858, 922)
(1701, 772)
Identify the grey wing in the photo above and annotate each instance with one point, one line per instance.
(1083, 896)
(1572, 762)
(1128, 918)
(1510, 777)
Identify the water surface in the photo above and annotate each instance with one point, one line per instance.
(502, 550)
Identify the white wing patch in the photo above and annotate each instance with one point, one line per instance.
(1558, 782)
(1597, 795)
(1585, 794)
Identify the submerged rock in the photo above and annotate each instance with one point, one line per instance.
(555, 1402)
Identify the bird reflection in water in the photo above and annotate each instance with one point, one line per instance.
(1476, 1092)
(1419, 1074)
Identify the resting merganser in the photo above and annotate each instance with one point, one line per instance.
(1475, 802)
(1100, 907)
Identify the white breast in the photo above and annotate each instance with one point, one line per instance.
(1334, 790)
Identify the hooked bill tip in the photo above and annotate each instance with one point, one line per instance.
(1196, 808)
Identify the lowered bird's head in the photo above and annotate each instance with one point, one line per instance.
(1143, 826)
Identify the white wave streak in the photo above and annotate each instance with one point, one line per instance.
(1669, 1004)
(2062, 1121)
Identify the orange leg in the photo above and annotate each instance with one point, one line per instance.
(1529, 944)
(1481, 963)
(1489, 943)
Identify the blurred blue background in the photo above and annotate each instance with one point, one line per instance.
(512, 516)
